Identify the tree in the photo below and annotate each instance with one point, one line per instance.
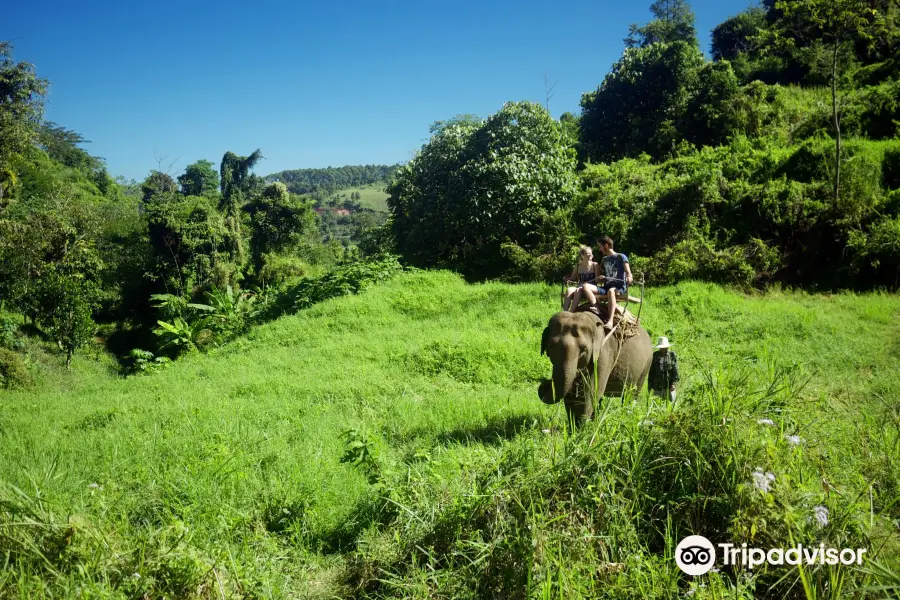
(235, 171)
(827, 30)
(674, 22)
(21, 108)
(570, 125)
(277, 222)
(641, 102)
(734, 36)
(476, 186)
(711, 116)
(65, 305)
(199, 179)
(188, 236)
(157, 184)
(62, 146)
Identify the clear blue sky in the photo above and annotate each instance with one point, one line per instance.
(313, 84)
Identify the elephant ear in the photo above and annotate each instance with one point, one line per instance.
(544, 337)
(597, 342)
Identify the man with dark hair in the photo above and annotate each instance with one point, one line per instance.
(615, 274)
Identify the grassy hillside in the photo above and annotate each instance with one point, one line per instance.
(390, 444)
(370, 196)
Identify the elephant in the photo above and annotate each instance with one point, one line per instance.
(574, 342)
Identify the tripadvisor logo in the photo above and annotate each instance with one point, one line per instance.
(696, 555)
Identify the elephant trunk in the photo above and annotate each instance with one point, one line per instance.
(564, 373)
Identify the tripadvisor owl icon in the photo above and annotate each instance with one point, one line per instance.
(695, 555)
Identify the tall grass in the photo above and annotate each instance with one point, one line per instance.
(391, 444)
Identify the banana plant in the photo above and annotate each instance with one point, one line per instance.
(184, 336)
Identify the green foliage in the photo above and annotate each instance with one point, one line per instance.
(63, 306)
(157, 185)
(229, 312)
(199, 179)
(874, 111)
(180, 336)
(236, 183)
(711, 117)
(476, 186)
(192, 326)
(14, 371)
(278, 223)
(331, 179)
(235, 172)
(144, 361)
(890, 169)
(188, 236)
(673, 22)
(21, 106)
(373, 235)
(363, 453)
(879, 246)
(9, 333)
(642, 102)
(744, 214)
(278, 269)
(61, 145)
(733, 37)
(352, 278)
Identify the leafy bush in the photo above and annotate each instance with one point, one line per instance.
(347, 279)
(9, 337)
(181, 336)
(144, 361)
(478, 185)
(187, 234)
(14, 372)
(278, 269)
(748, 213)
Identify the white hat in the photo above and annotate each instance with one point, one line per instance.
(662, 342)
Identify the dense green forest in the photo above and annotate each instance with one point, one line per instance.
(777, 161)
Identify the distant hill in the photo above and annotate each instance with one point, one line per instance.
(331, 179)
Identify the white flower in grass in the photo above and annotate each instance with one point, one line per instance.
(95, 486)
(136, 575)
(821, 514)
(768, 422)
(763, 480)
(646, 423)
(793, 440)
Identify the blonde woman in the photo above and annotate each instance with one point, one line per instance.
(585, 273)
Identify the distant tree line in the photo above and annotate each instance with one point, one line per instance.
(330, 179)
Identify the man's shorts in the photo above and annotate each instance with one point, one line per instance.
(619, 290)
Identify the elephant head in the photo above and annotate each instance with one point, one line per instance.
(572, 341)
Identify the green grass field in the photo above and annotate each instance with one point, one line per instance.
(370, 196)
(390, 445)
